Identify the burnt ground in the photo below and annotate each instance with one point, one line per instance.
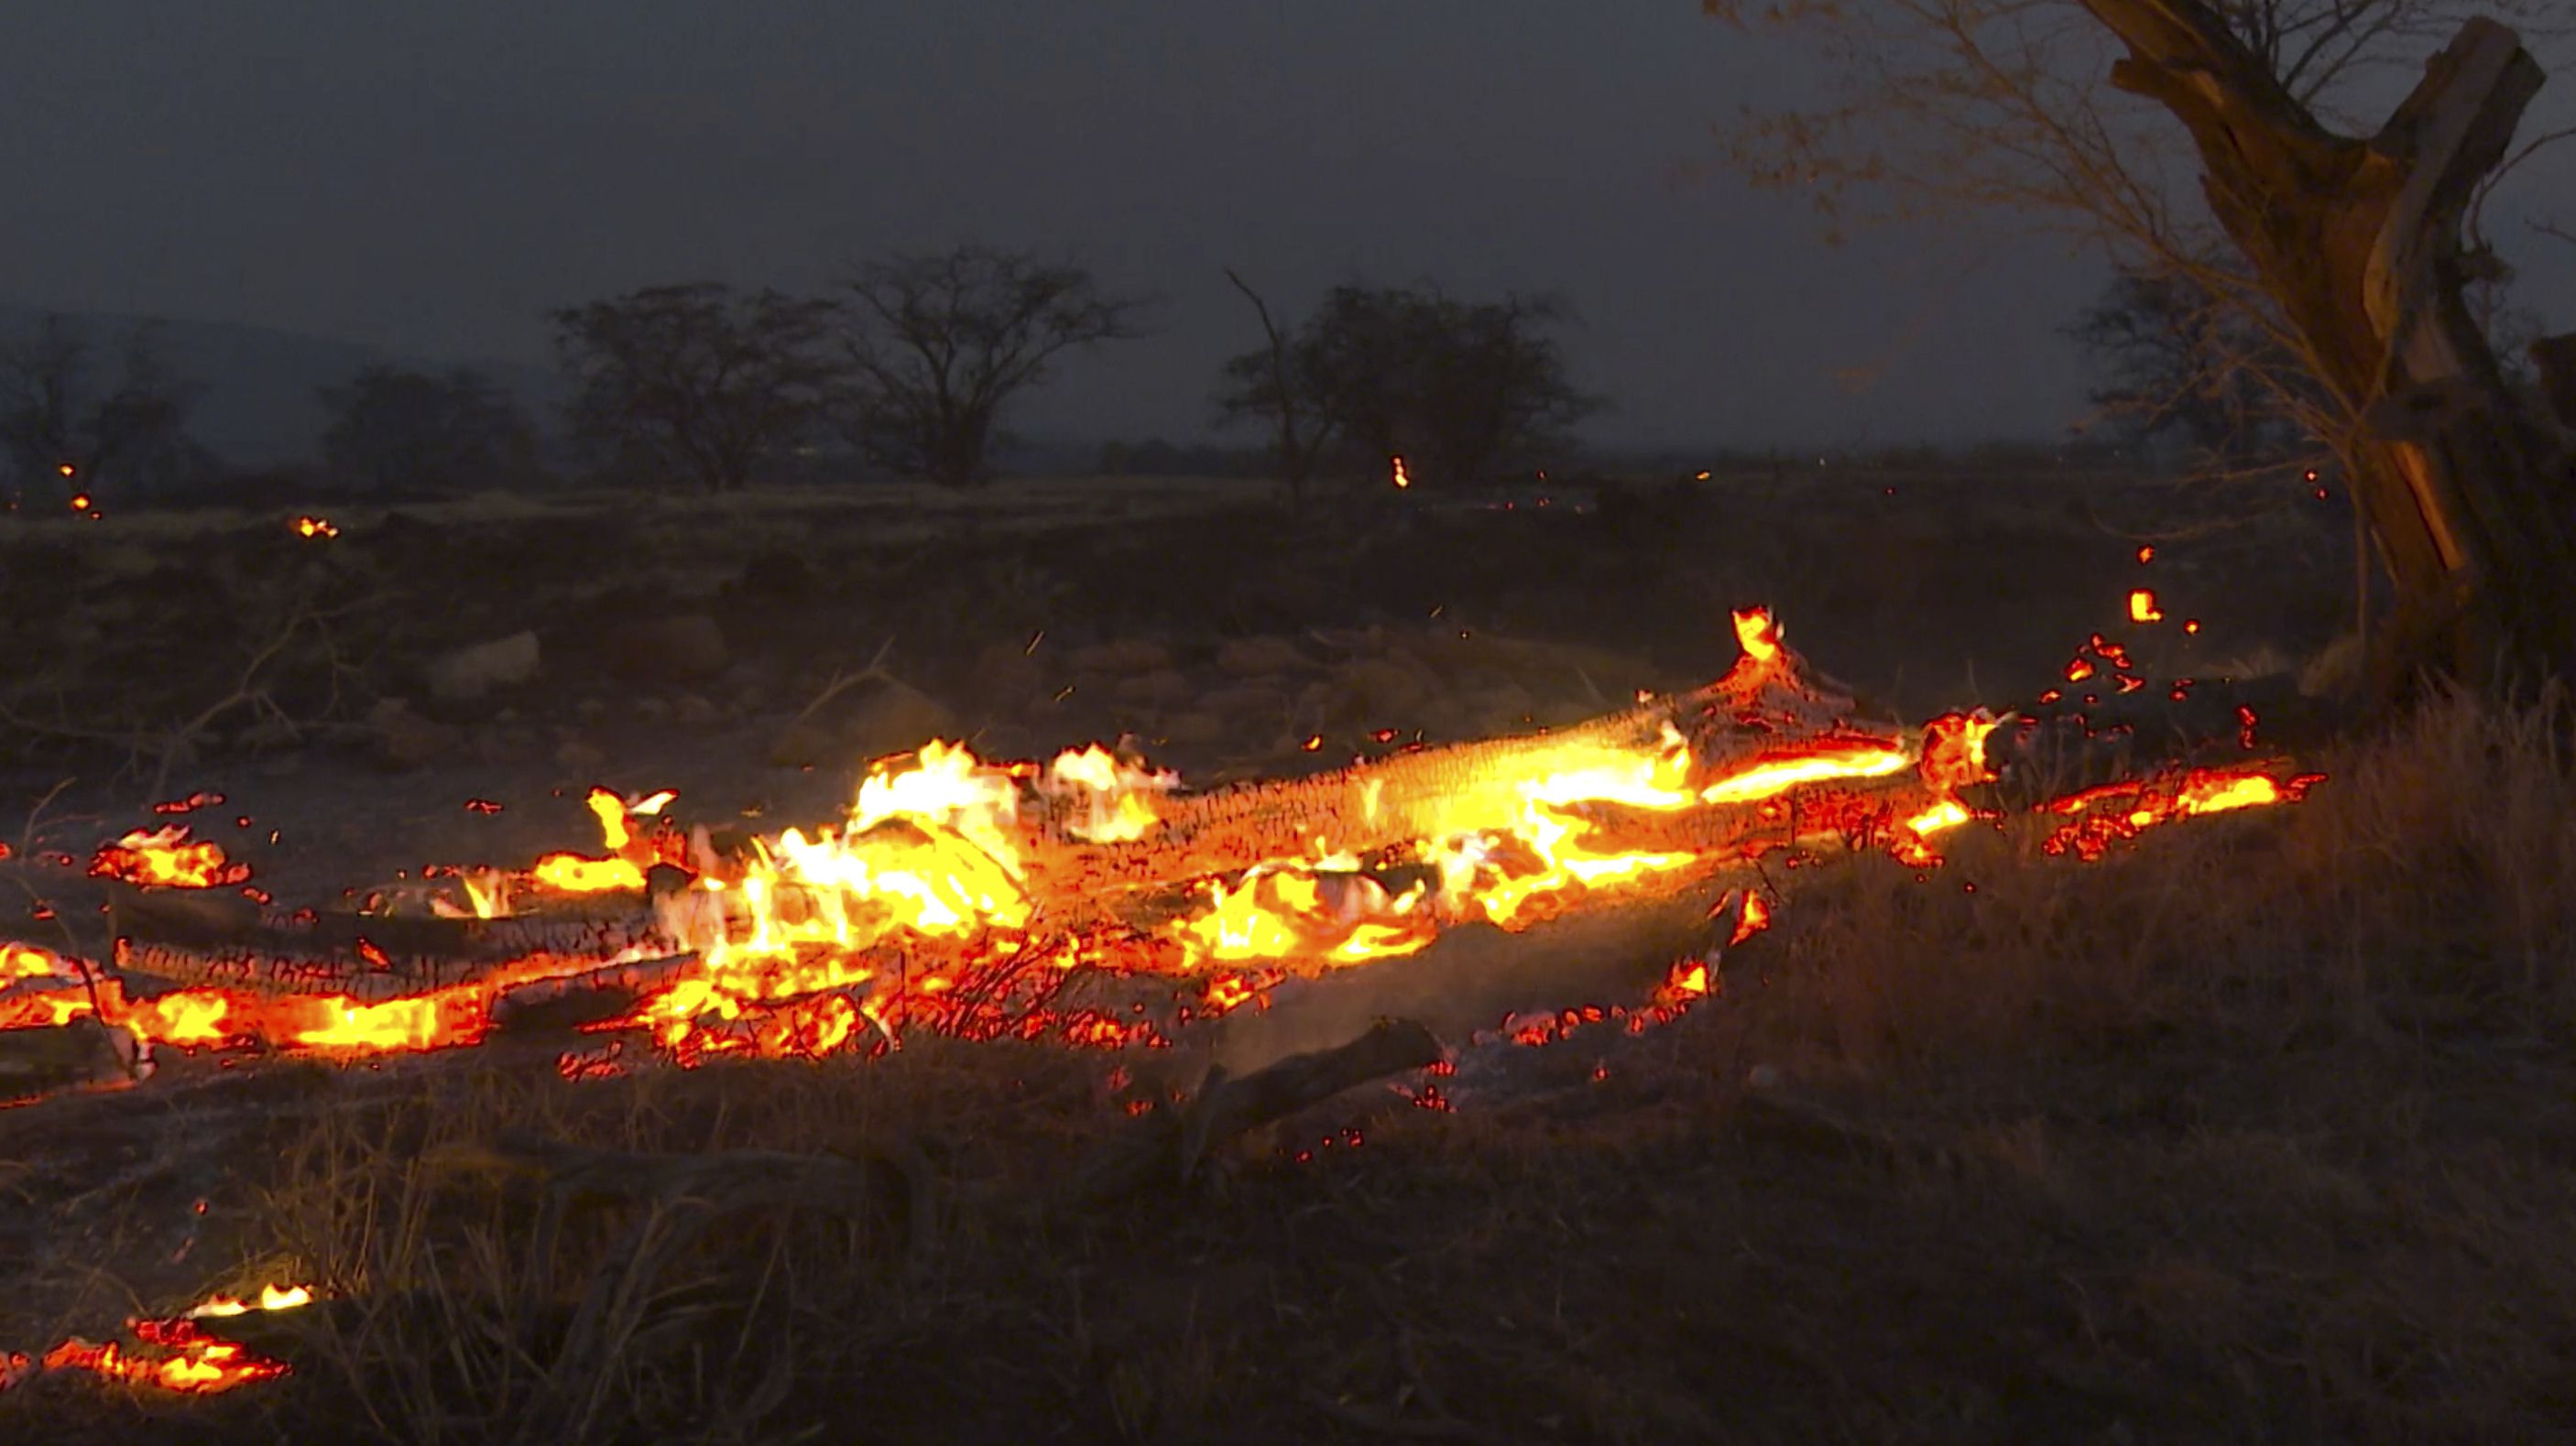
(679, 638)
(2257, 1133)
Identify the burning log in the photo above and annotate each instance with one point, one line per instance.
(215, 939)
(1438, 792)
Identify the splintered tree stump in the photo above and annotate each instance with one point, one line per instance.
(2359, 242)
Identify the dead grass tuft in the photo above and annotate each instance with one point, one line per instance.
(2428, 885)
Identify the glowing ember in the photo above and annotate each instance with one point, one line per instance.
(1755, 918)
(2142, 606)
(573, 874)
(174, 1353)
(166, 858)
(25, 961)
(317, 527)
(2097, 818)
(1402, 480)
(1769, 777)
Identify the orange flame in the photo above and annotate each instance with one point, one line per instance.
(1758, 633)
(573, 874)
(628, 856)
(1116, 798)
(26, 961)
(1755, 918)
(176, 1354)
(2098, 818)
(165, 858)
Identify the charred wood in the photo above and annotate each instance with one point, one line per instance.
(571, 1001)
(1227, 1105)
(209, 937)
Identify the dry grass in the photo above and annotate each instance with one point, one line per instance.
(2260, 1131)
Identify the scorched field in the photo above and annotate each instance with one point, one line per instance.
(1851, 956)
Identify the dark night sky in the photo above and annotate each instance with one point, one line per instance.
(429, 177)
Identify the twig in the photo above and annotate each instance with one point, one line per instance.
(843, 682)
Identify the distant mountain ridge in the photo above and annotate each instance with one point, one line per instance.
(259, 408)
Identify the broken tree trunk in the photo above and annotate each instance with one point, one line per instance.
(2359, 242)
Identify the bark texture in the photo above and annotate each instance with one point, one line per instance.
(2359, 240)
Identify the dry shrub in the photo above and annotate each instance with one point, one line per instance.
(472, 1302)
(2428, 884)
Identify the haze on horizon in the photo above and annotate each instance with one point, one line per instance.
(430, 181)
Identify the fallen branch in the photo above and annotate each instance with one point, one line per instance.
(166, 745)
(1227, 1106)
